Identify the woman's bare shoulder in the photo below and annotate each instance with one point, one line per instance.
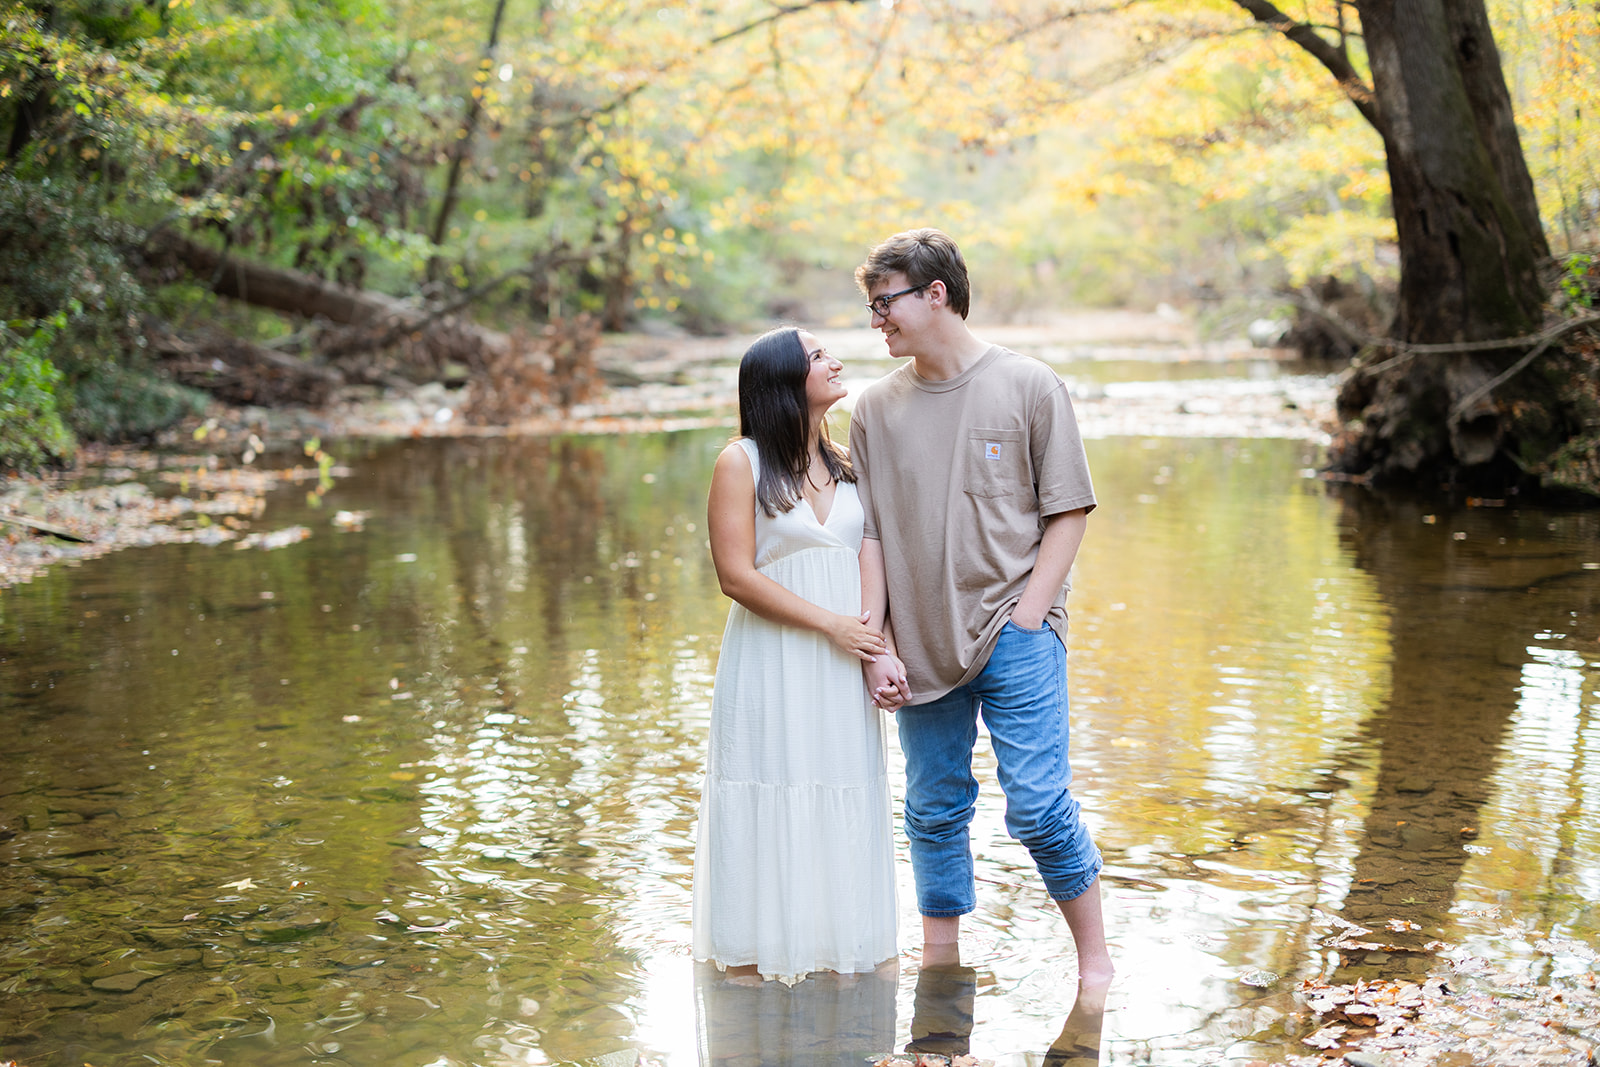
(733, 462)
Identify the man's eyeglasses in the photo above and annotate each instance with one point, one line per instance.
(880, 304)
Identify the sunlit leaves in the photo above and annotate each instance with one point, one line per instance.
(1243, 128)
(1246, 127)
(1551, 54)
(1045, 131)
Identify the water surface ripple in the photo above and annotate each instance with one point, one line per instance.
(424, 793)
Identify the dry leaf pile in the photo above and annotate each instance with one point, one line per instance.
(1477, 1018)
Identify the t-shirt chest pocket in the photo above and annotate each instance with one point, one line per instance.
(995, 463)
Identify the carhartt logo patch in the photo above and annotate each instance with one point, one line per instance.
(991, 450)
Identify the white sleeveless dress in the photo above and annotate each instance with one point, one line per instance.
(794, 861)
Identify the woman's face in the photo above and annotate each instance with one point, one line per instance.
(823, 388)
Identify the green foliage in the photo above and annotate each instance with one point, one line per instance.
(1580, 281)
(1575, 466)
(123, 401)
(31, 430)
(88, 135)
(59, 249)
(713, 164)
(63, 263)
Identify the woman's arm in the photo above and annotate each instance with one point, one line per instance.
(731, 519)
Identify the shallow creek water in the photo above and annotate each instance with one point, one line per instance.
(424, 792)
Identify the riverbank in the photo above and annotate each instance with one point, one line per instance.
(207, 480)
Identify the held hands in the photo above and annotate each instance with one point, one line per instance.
(851, 634)
(886, 681)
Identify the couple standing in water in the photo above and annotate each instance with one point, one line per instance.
(924, 574)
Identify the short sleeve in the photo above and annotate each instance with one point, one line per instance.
(1061, 468)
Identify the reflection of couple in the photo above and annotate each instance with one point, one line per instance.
(849, 1019)
(941, 1022)
(934, 558)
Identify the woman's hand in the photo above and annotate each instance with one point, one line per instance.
(852, 635)
(886, 682)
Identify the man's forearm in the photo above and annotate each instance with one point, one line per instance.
(1058, 548)
(874, 584)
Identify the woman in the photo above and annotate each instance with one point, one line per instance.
(793, 867)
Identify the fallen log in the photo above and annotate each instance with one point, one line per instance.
(240, 371)
(356, 321)
(40, 525)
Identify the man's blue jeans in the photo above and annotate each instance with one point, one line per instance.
(1022, 695)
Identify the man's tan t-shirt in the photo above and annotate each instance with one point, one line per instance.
(956, 478)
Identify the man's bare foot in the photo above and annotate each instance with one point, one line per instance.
(1098, 974)
(1089, 935)
(941, 940)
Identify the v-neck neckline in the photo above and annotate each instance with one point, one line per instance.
(822, 520)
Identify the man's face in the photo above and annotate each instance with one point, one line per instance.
(902, 318)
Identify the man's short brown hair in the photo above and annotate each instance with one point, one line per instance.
(924, 256)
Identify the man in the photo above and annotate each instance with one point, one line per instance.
(977, 494)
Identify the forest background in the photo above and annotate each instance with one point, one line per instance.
(266, 200)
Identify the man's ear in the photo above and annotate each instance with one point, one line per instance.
(936, 293)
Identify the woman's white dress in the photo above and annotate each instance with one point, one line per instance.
(794, 864)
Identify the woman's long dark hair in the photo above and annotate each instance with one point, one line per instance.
(773, 413)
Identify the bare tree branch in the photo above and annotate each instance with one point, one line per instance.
(782, 11)
(622, 98)
(1060, 16)
(1403, 351)
(1546, 339)
(1333, 57)
(461, 147)
(880, 46)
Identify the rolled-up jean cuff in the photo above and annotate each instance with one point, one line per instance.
(947, 914)
(1081, 887)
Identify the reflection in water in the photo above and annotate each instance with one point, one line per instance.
(425, 793)
(367, 797)
(944, 1007)
(850, 1019)
(1224, 652)
(1487, 613)
(827, 1019)
(1078, 1044)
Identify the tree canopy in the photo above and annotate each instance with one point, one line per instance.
(706, 163)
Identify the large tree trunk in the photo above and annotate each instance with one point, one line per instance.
(1470, 247)
(1470, 238)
